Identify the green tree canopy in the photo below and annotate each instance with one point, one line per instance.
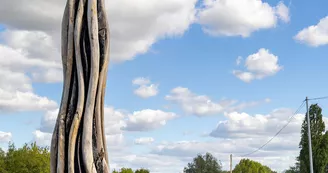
(28, 159)
(129, 170)
(124, 170)
(34, 159)
(142, 170)
(319, 138)
(204, 164)
(250, 166)
(293, 169)
(2, 161)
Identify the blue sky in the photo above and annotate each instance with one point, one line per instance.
(185, 58)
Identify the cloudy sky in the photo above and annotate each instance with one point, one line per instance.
(186, 77)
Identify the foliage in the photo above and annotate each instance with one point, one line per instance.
(2, 161)
(28, 159)
(249, 166)
(124, 170)
(129, 170)
(34, 159)
(294, 169)
(319, 140)
(142, 170)
(204, 164)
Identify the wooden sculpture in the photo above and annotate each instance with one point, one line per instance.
(79, 141)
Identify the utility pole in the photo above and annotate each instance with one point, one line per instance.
(230, 163)
(309, 134)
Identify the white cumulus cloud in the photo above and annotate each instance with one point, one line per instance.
(155, 163)
(117, 122)
(24, 101)
(242, 133)
(48, 121)
(141, 81)
(16, 92)
(283, 12)
(243, 125)
(258, 66)
(42, 138)
(196, 104)
(135, 24)
(239, 60)
(145, 88)
(202, 105)
(314, 35)
(148, 119)
(138, 24)
(114, 121)
(5, 137)
(41, 61)
(185, 151)
(144, 140)
(239, 18)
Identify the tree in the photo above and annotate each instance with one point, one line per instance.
(2, 161)
(126, 170)
(129, 170)
(204, 164)
(250, 166)
(319, 140)
(294, 169)
(78, 141)
(142, 170)
(28, 159)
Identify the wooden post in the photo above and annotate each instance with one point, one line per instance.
(78, 141)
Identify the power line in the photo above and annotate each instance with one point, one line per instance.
(319, 98)
(290, 119)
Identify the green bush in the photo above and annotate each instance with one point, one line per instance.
(28, 159)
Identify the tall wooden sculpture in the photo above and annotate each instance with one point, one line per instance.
(79, 142)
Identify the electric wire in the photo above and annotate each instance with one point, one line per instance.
(290, 119)
(319, 98)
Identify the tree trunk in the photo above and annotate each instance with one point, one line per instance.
(78, 141)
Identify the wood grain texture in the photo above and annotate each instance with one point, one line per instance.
(79, 142)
